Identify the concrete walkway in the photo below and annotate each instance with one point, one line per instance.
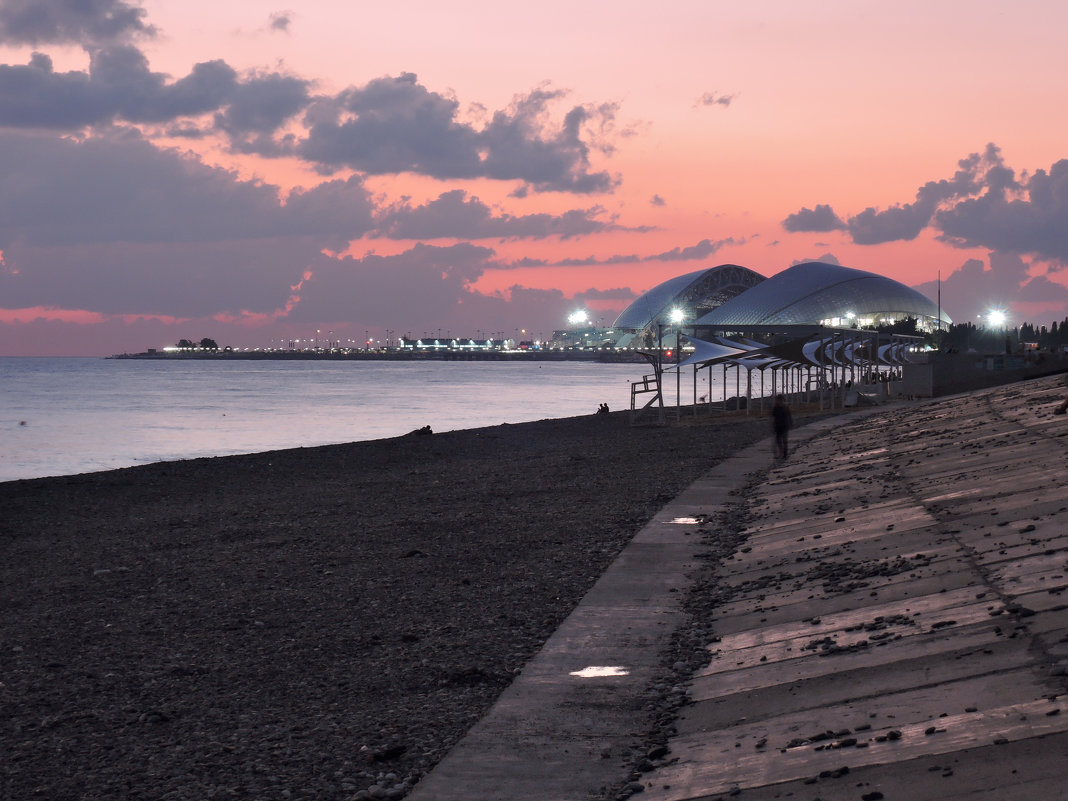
(894, 625)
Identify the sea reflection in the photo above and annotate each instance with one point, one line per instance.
(84, 415)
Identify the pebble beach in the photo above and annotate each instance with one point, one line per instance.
(309, 623)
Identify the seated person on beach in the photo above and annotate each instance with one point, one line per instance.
(602, 409)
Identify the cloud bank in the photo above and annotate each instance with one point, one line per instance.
(390, 125)
(35, 22)
(100, 221)
(984, 204)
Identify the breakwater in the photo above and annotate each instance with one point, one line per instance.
(604, 356)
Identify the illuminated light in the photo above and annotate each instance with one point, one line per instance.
(578, 317)
(600, 671)
(677, 315)
(996, 318)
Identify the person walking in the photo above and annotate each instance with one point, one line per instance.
(781, 421)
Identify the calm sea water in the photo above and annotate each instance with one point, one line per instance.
(66, 416)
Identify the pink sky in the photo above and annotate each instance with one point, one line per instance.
(254, 172)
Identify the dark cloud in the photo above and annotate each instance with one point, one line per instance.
(389, 126)
(619, 293)
(181, 279)
(975, 287)
(56, 191)
(395, 125)
(591, 261)
(822, 218)
(1029, 216)
(873, 227)
(116, 226)
(34, 22)
(656, 200)
(120, 87)
(826, 258)
(1042, 290)
(281, 20)
(521, 144)
(713, 99)
(702, 250)
(538, 311)
(257, 107)
(423, 283)
(455, 215)
(983, 205)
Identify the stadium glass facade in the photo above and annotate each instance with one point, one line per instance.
(811, 293)
(694, 295)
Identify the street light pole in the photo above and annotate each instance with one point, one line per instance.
(678, 378)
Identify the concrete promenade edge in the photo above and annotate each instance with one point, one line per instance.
(893, 626)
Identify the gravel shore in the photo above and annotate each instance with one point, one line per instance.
(312, 622)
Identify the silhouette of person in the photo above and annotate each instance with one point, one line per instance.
(781, 422)
(602, 409)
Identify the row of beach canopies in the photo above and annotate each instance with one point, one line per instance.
(801, 365)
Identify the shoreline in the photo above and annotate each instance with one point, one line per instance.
(311, 618)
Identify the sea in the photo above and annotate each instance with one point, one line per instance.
(63, 416)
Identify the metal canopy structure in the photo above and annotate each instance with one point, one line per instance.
(801, 360)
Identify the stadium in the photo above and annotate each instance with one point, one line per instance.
(728, 297)
(808, 327)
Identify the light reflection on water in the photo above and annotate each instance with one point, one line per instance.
(83, 415)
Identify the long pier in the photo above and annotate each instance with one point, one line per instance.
(609, 356)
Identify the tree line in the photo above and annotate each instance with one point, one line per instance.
(969, 336)
(204, 344)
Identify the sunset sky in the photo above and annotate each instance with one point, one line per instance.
(257, 172)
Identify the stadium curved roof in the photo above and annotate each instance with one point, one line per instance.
(696, 293)
(817, 292)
